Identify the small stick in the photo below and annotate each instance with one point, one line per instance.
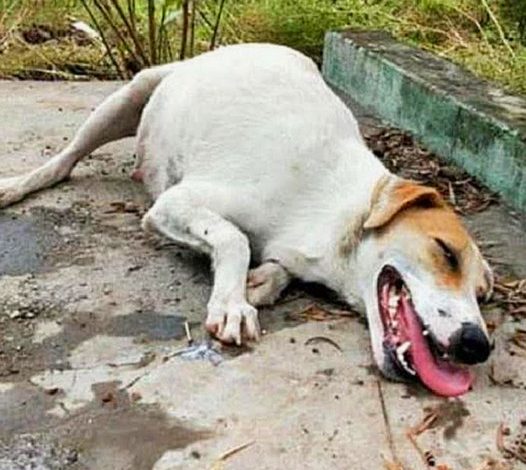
(235, 450)
(216, 26)
(423, 426)
(323, 339)
(452, 197)
(188, 333)
(422, 454)
(193, 15)
(151, 31)
(184, 32)
(219, 463)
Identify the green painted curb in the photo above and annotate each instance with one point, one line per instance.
(453, 113)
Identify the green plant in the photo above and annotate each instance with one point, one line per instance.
(515, 12)
(138, 34)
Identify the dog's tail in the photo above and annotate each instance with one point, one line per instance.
(117, 117)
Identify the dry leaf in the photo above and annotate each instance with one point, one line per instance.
(403, 156)
(316, 313)
(392, 465)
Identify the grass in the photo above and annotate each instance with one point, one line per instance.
(461, 31)
(486, 36)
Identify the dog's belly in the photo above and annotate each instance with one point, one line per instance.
(255, 127)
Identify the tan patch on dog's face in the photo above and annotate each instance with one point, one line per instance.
(438, 241)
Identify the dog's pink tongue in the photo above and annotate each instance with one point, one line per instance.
(441, 377)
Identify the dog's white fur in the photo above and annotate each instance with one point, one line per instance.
(246, 151)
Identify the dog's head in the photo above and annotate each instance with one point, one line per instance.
(425, 276)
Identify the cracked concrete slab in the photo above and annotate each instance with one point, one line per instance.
(91, 318)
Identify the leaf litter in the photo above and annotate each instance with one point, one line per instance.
(403, 156)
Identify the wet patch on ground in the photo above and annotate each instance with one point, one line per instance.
(115, 424)
(115, 429)
(450, 416)
(23, 408)
(24, 243)
(42, 238)
(52, 353)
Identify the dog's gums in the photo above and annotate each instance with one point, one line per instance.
(410, 345)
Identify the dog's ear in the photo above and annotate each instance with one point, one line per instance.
(392, 197)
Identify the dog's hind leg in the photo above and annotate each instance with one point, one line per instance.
(181, 214)
(266, 283)
(117, 117)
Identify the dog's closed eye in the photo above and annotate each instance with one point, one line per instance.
(449, 254)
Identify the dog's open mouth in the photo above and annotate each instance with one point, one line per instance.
(410, 346)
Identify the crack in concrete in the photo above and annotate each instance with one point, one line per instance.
(385, 414)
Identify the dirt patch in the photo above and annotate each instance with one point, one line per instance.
(450, 416)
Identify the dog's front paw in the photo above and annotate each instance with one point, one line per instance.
(231, 322)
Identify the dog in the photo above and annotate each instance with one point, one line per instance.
(246, 152)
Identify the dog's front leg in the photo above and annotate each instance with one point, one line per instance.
(182, 215)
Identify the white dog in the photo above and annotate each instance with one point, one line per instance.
(246, 151)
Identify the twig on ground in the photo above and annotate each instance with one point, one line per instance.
(323, 339)
(219, 463)
(189, 338)
(412, 433)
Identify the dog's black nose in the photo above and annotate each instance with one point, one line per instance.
(470, 345)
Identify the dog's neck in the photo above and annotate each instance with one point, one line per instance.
(319, 242)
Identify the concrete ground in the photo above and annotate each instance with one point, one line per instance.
(92, 313)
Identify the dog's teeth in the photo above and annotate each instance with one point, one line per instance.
(403, 362)
(400, 351)
(408, 369)
(393, 301)
(425, 332)
(403, 347)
